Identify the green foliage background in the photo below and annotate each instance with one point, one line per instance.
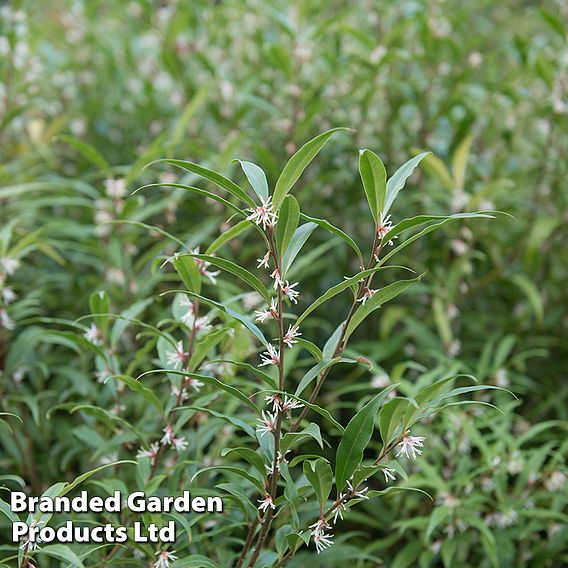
(94, 90)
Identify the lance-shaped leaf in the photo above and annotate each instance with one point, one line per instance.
(188, 272)
(398, 179)
(374, 178)
(298, 240)
(99, 302)
(379, 298)
(147, 394)
(336, 231)
(356, 438)
(298, 163)
(288, 219)
(252, 457)
(225, 237)
(320, 476)
(235, 269)
(256, 177)
(204, 345)
(258, 483)
(215, 177)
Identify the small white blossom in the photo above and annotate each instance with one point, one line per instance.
(93, 335)
(203, 266)
(384, 229)
(9, 265)
(291, 404)
(322, 541)
(409, 446)
(288, 290)
(290, 336)
(151, 452)
(266, 503)
(115, 188)
(356, 492)
(366, 295)
(195, 384)
(389, 474)
(202, 324)
(27, 544)
(270, 357)
(179, 443)
(168, 435)
(177, 357)
(180, 394)
(6, 321)
(263, 262)
(8, 295)
(275, 400)
(277, 279)
(164, 558)
(555, 482)
(267, 423)
(270, 312)
(263, 215)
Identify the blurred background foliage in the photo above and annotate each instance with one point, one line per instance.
(92, 91)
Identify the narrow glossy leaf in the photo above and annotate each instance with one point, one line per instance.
(356, 438)
(204, 345)
(379, 298)
(336, 231)
(188, 272)
(147, 394)
(390, 417)
(298, 240)
(396, 489)
(62, 552)
(230, 312)
(288, 219)
(194, 561)
(256, 177)
(84, 476)
(311, 347)
(88, 151)
(330, 346)
(291, 439)
(320, 476)
(231, 469)
(212, 176)
(237, 270)
(337, 289)
(210, 381)
(459, 162)
(257, 372)
(252, 457)
(226, 236)
(298, 163)
(99, 303)
(374, 178)
(315, 371)
(398, 180)
(229, 419)
(197, 191)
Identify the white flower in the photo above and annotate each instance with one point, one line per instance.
(9, 265)
(270, 312)
(177, 358)
(409, 446)
(368, 294)
(270, 357)
(339, 509)
(322, 541)
(459, 247)
(8, 295)
(252, 300)
(288, 290)
(389, 474)
(203, 266)
(151, 452)
(267, 423)
(263, 215)
(380, 381)
(277, 279)
(202, 324)
(291, 404)
(320, 526)
(164, 558)
(168, 435)
(93, 335)
(28, 545)
(115, 188)
(275, 400)
(189, 316)
(6, 321)
(356, 492)
(195, 384)
(180, 394)
(266, 503)
(555, 482)
(263, 262)
(291, 334)
(383, 230)
(180, 443)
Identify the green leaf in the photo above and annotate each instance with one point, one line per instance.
(398, 180)
(459, 162)
(147, 394)
(99, 303)
(215, 177)
(235, 269)
(225, 237)
(298, 163)
(88, 151)
(337, 289)
(355, 439)
(232, 469)
(252, 457)
(256, 177)
(376, 301)
(62, 552)
(288, 219)
(320, 476)
(336, 231)
(374, 178)
(194, 561)
(390, 416)
(301, 235)
(204, 345)
(229, 419)
(188, 272)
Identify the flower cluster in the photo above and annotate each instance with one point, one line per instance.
(263, 214)
(177, 442)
